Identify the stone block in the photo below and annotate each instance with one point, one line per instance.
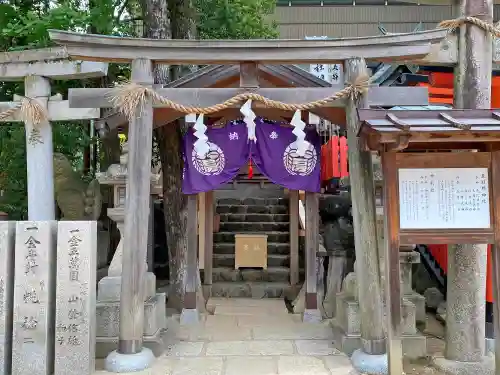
(419, 302)
(348, 314)
(76, 298)
(109, 288)
(108, 317)
(157, 343)
(7, 234)
(34, 298)
(414, 346)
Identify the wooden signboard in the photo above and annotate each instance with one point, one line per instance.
(251, 250)
(440, 198)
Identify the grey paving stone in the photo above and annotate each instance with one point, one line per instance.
(301, 365)
(266, 347)
(185, 349)
(251, 366)
(198, 366)
(316, 347)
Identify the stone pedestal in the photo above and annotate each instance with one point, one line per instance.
(347, 324)
(109, 287)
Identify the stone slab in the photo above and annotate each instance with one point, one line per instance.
(316, 347)
(220, 332)
(251, 366)
(288, 365)
(75, 298)
(109, 288)
(185, 349)
(250, 348)
(199, 366)
(108, 316)
(34, 298)
(304, 331)
(486, 367)
(157, 343)
(339, 365)
(7, 234)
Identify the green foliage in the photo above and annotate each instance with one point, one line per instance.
(236, 19)
(24, 24)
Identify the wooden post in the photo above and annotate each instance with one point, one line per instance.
(136, 218)
(192, 259)
(311, 312)
(209, 236)
(465, 327)
(201, 230)
(392, 265)
(495, 255)
(293, 198)
(39, 155)
(363, 212)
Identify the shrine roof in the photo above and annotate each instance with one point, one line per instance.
(401, 127)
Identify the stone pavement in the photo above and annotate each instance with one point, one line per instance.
(250, 337)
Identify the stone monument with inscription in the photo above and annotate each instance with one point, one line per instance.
(7, 233)
(75, 298)
(34, 298)
(109, 288)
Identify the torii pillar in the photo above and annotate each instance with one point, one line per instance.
(35, 68)
(467, 263)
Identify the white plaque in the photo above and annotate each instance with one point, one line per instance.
(444, 198)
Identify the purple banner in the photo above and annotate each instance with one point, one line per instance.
(229, 151)
(275, 154)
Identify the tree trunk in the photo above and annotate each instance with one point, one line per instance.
(164, 20)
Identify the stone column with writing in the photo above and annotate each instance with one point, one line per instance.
(109, 287)
(7, 233)
(34, 298)
(75, 298)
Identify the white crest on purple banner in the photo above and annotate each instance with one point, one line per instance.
(297, 164)
(210, 164)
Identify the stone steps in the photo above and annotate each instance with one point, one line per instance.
(273, 248)
(254, 218)
(253, 201)
(245, 209)
(271, 274)
(257, 290)
(272, 236)
(273, 260)
(254, 227)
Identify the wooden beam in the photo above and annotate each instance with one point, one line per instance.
(33, 55)
(58, 111)
(62, 70)
(114, 49)
(203, 97)
(140, 139)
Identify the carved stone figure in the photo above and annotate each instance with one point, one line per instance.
(75, 199)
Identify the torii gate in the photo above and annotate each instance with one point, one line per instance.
(350, 51)
(36, 68)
